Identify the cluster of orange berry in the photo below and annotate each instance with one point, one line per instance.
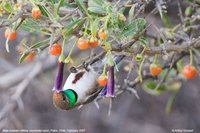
(93, 42)
(84, 43)
(12, 34)
(189, 71)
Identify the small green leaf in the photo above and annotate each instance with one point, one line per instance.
(180, 65)
(38, 44)
(96, 6)
(131, 13)
(97, 10)
(171, 74)
(31, 25)
(72, 27)
(8, 7)
(61, 3)
(170, 103)
(53, 1)
(69, 5)
(149, 87)
(43, 10)
(47, 13)
(134, 27)
(175, 86)
(81, 6)
(143, 40)
(188, 11)
(94, 27)
(166, 20)
(96, 3)
(23, 57)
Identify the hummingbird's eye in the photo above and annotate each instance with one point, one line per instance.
(63, 97)
(73, 70)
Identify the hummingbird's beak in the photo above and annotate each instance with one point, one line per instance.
(61, 101)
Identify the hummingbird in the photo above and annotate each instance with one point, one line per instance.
(81, 87)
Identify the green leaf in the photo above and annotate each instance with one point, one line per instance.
(61, 3)
(94, 27)
(43, 10)
(70, 28)
(175, 86)
(170, 103)
(97, 10)
(166, 20)
(53, 1)
(30, 25)
(134, 27)
(46, 13)
(143, 40)
(96, 6)
(180, 65)
(172, 73)
(131, 13)
(81, 6)
(38, 44)
(8, 7)
(69, 5)
(149, 87)
(23, 57)
(95, 3)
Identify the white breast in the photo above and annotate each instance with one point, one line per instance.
(87, 81)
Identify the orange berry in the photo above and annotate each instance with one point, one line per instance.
(36, 13)
(10, 34)
(55, 49)
(189, 72)
(31, 56)
(155, 69)
(83, 43)
(102, 34)
(102, 80)
(93, 42)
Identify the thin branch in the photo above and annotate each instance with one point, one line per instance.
(6, 23)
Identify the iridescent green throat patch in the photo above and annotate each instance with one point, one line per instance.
(72, 96)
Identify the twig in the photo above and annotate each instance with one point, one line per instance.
(180, 11)
(169, 48)
(166, 74)
(14, 19)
